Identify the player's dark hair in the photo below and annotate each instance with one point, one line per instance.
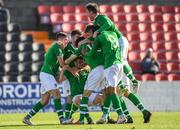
(61, 35)
(92, 7)
(78, 40)
(91, 27)
(75, 32)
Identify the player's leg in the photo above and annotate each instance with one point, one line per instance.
(112, 77)
(136, 101)
(123, 42)
(93, 81)
(38, 106)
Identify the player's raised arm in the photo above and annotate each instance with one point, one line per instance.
(71, 58)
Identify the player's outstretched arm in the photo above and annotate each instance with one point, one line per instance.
(71, 58)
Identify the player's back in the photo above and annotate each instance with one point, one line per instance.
(109, 45)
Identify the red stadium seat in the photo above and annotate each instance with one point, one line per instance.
(82, 18)
(178, 37)
(161, 77)
(177, 26)
(141, 8)
(56, 18)
(156, 18)
(80, 9)
(145, 37)
(144, 46)
(144, 27)
(134, 56)
(110, 16)
(158, 36)
(132, 27)
(119, 18)
(172, 46)
(144, 17)
(172, 56)
(173, 67)
(134, 47)
(132, 18)
(43, 9)
(133, 37)
(142, 55)
(167, 9)
(138, 76)
(177, 17)
(44, 12)
(148, 77)
(56, 9)
(154, 9)
(117, 8)
(158, 46)
(163, 68)
(67, 27)
(80, 26)
(68, 18)
(168, 18)
(121, 27)
(68, 9)
(177, 9)
(105, 9)
(170, 36)
(160, 56)
(136, 67)
(157, 27)
(130, 9)
(173, 77)
(169, 27)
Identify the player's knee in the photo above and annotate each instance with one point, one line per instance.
(44, 101)
(126, 94)
(55, 93)
(99, 100)
(86, 93)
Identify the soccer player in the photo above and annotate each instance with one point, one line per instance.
(107, 42)
(94, 79)
(107, 25)
(53, 60)
(75, 34)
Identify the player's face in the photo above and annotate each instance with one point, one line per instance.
(74, 38)
(91, 15)
(63, 42)
(79, 63)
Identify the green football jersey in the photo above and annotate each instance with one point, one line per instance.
(51, 63)
(77, 83)
(107, 41)
(106, 24)
(93, 61)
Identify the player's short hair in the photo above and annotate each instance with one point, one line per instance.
(92, 7)
(61, 35)
(78, 40)
(91, 27)
(76, 32)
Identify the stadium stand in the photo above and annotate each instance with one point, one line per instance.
(145, 26)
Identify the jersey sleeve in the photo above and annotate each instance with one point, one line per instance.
(104, 23)
(58, 51)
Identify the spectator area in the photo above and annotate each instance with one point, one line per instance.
(158, 27)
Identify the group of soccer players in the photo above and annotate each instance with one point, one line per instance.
(95, 69)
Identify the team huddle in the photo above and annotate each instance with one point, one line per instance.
(94, 67)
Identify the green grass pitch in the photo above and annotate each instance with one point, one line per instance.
(159, 120)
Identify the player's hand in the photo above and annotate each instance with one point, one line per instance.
(65, 67)
(95, 34)
(74, 71)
